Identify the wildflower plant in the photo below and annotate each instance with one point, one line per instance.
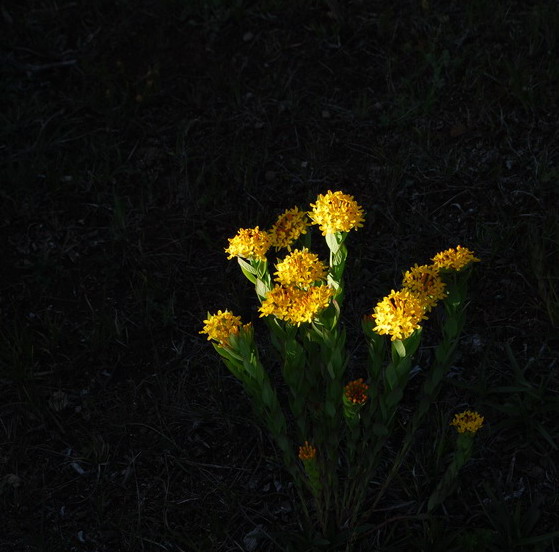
(467, 423)
(334, 435)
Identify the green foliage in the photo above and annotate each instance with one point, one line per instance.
(338, 460)
(514, 523)
(525, 404)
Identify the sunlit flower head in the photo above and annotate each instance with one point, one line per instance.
(309, 304)
(356, 391)
(300, 268)
(426, 283)
(398, 315)
(277, 302)
(467, 421)
(295, 305)
(307, 452)
(288, 228)
(454, 259)
(336, 212)
(249, 243)
(221, 326)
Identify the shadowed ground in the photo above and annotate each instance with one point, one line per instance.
(135, 138)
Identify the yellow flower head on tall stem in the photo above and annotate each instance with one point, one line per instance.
(398, 315)
(300, 268)
(454, 259)
(289, 226)
(309, 304)
(467, 422)
(307, 452)
(221, 326)
(277, 302)
(336, 212)
(426, 283)
(356, 391)
(295, 305)
(249, 243)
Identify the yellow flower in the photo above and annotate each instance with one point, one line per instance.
(277, 302)
(454, 259)
(288, 228)
(309, 304)
(398, 314)
(307, 452)
(356, 391)
(250, 243)
(301, 268)
(221, 326)
(467, 421)
(336, 212)
(296, 305)
(425, 282)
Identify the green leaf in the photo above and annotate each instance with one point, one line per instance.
(399, 347)
(390, 376)
(380, 430)
(333, 241)
(393, 398)
(412, 342)
(329, 409)
(267, 395)
(450, 327)
(261, 268)
(249, 276)
(442, 352)
(246, 266)
(283, 443)
(261, 288)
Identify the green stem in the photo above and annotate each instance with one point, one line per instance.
(444, 356)
(464, 445)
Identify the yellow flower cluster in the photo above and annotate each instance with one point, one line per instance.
(398, 315)
(467, 421)
(426, 284)
(454, 259)
(295, 305)
(288, 228)
(300, 268)
(336, 212)
(221, 326)
(249, 243)
(356, 391)
(307, 452)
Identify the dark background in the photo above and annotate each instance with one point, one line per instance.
(136, 137)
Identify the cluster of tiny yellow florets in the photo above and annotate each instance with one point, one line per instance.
(398, 314)
(300, 268)
(249, 243)
(356, 391)
(467, 421)
(307, 452)
(336, 212)
(289, 226)
(299, 296)
(221, 326)
(454, 259)
(295, 305)
(295, 299)
(426, 283)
